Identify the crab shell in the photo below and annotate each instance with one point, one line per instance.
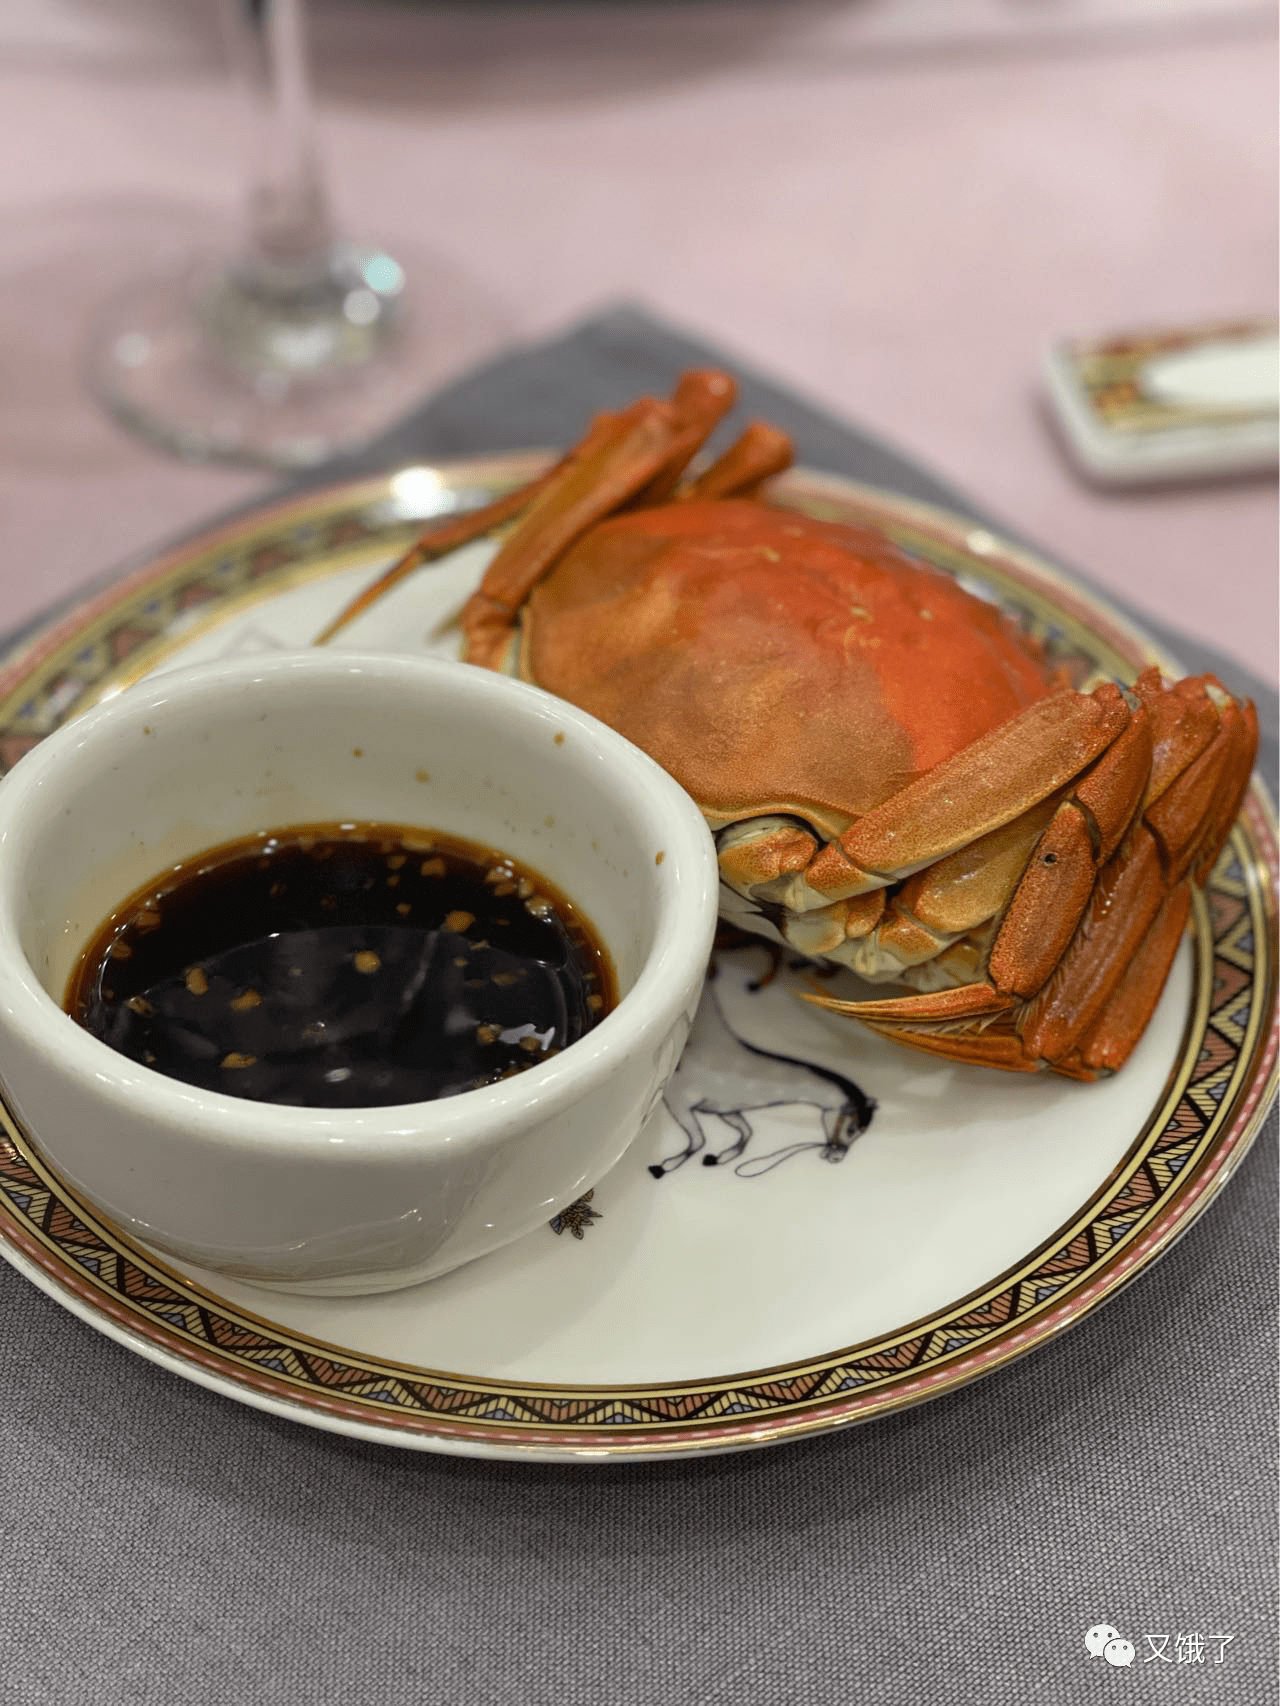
(781, 668)
(897, 780)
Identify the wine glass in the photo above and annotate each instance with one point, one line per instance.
(294, 347)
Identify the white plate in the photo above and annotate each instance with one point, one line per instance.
(797, 1286)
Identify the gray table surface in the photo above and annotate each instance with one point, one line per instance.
(163, 1545)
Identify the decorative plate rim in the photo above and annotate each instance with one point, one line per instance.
(743, 1419)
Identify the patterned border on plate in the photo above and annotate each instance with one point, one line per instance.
(1212, 1109)
(1114, 377)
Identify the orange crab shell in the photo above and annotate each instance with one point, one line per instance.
(772, 662)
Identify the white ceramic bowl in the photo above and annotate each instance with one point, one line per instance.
(374, 1198)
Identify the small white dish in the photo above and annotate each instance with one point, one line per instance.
(355, 1200)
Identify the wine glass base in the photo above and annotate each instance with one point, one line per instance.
(207, 364)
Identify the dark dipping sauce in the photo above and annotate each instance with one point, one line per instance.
(345, 965)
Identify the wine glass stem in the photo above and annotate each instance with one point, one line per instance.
(289, 231)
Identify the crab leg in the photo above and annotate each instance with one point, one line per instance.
(1184, 720)
(1105, 984)
(1089, 1009)
(1192, 818)
(642, 450)
(1002, 1049)
(987, 784)
(1056, 886)
(1121, 910)
(616, 463)
(1124, 1018)
(451, 535)
(700, 400)
(761, 452)
(938, 1006)
(1133, 1000)
(1242, 721)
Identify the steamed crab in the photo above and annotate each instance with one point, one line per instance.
(897, 779)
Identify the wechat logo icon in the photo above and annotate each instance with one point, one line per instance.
(1105, 1641)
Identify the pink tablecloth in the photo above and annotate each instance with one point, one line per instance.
(896, 224)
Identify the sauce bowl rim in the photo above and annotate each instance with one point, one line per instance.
(678, 949)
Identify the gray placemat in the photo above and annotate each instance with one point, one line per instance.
(163, 1545)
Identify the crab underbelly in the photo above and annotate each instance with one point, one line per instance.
(870, 957)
